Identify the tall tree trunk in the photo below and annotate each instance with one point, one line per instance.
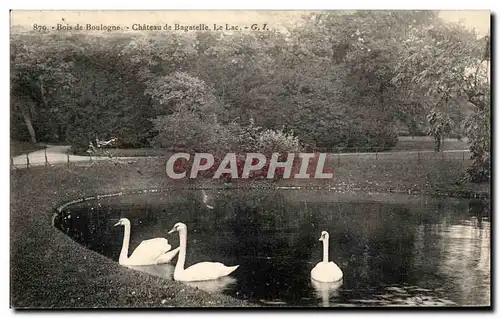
(51, 134)
(437, 140)
(27, 121)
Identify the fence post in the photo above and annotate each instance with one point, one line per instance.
(27, 161)
(418, 154)
(463, 155)
(338, 157)
(376, 154)
(46, 161)
(67, 154)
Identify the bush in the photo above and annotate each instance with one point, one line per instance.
(277, 141)
(186, 130)
(195, 134)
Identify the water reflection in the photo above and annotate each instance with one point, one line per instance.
(165, 271)
(326, 291)
(214, 286)
(398, 296)
(464, 255)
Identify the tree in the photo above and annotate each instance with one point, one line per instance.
(72, 88)
(360, 63)
(335, 81)
(186, 109)
(36, 67)
(434, 63)
(477, 126)
(439, 125)
(446, 63)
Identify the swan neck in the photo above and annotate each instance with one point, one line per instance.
(325, 250)
(182, 251)
(126, 242)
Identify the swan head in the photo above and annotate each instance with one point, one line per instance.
(178, 227)
(123, 221)
(324, 236)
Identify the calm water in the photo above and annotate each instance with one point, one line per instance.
(393, 249)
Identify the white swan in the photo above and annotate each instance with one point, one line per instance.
(197, 272)
(149, 252)
(326, 271)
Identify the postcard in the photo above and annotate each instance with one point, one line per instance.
(229, 159)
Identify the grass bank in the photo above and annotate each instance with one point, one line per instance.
(50, 270)
(438, 174)
(431, 175)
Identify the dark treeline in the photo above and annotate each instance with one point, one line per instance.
(336, 80)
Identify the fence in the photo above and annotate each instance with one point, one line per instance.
(337, 155)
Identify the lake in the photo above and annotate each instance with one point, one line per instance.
(394, 250)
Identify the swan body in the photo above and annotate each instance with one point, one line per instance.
(167, 257)
(326, 271)
(149, 252)
(198, 272)
(204, 271)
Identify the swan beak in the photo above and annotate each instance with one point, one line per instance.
(171, 231)
(117, 224)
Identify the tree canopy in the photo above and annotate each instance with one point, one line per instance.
(340, 80)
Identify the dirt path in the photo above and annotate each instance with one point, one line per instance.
(56, 154)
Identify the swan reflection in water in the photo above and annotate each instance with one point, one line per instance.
(159, 270)
(325, 291)
(214, 286)
(167, 271)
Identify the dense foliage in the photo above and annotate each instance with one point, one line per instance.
(339, 80)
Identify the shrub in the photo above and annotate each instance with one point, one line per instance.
(194, 134)
(186, 130)
(278, 141)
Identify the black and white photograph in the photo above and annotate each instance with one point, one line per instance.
(237, 158)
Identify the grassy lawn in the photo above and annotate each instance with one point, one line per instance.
(429, 173)
(22, 147)
(404, 144)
